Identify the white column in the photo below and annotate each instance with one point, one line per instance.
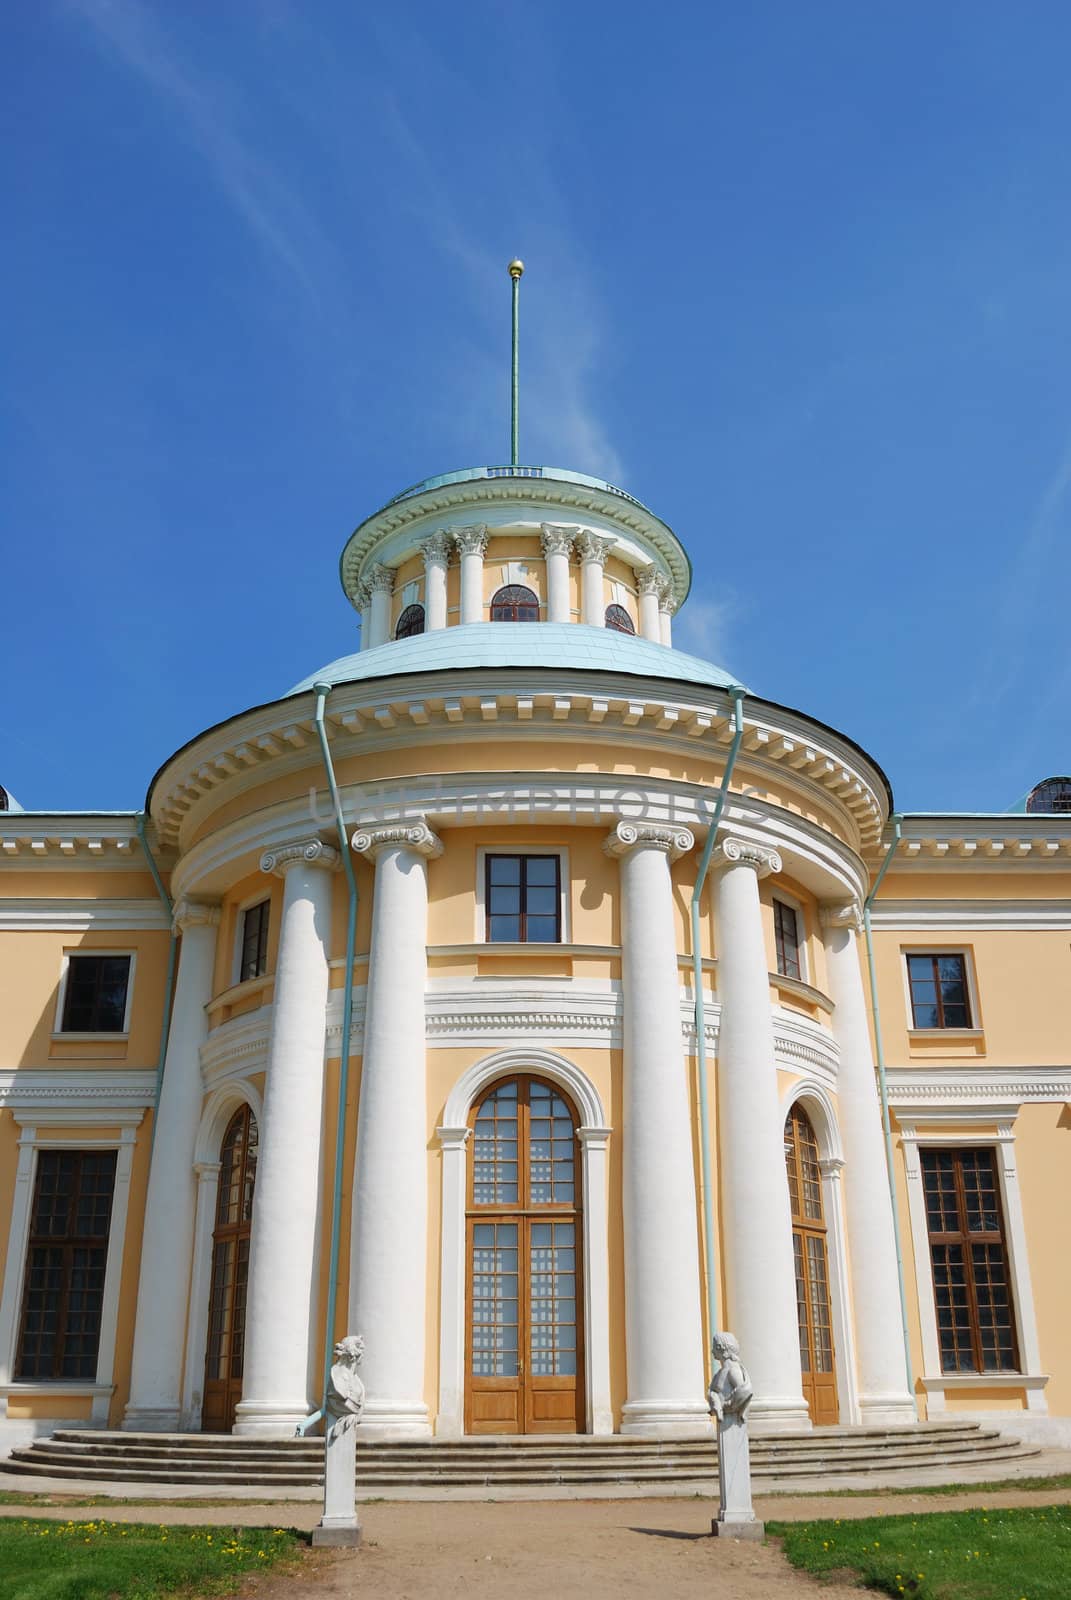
(663, 1316)
(666, 607)
(472, 544)
(283, 1257)
(649, 582)
(436, 551)
(557, 547)
(362, 599)
(593, 553)
(884, 1396)
(155, 1402)
(388, 1263)
(380, 581)
(756, 1219)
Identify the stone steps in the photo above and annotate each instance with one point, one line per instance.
(571, 1463)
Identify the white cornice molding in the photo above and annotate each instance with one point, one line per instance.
(993, 1087)
(82, 916)
(1009, 843)
(75, 1091)
(955, 916)
(54, 839)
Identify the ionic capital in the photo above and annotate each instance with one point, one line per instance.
(380, 577)
(556, 540)
(592, 548)
(193, 914)
(841, 914)
(415, 836)
(436, 547)
(629, 836)
(650, 581)
(761, 858)
(308, 852)
(472, 541)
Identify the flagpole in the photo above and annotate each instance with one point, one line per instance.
(516, 271)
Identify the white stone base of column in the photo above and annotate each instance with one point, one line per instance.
(667, 1419)
(269, 1419)
(386, 1419)
(152, 1419)
(779, 1416)
(887, 1411)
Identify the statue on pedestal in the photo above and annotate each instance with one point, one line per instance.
(729, 1396)
(339, 1524)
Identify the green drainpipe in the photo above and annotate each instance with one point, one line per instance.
(322, 690)
(700, 1008)
(169, 985)
(883, 1091)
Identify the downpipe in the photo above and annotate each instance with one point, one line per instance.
(169, 982)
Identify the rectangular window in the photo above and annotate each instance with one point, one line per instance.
(939, 997)
(95, 996)
(975, 1321)
(253, 961)
(63, 1291)
(787, 939)
(523, 899)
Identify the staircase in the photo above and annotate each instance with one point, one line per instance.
(509, 1468)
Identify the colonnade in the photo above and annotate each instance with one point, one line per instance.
(389, 1246)
(559, 544)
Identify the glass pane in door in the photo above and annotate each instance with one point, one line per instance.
(494, 1300)
(552, 1266)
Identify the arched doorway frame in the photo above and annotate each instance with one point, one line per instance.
(218, 1109)
(816, 1101)
(594, 1137)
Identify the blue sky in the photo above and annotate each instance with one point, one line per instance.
(799, 276)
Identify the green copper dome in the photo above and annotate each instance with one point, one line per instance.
(571, 645)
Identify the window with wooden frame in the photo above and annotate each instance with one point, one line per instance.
(969, 1260)
(618, 619)
(940, 996)
(787, 939)
(811, 1261)
(96, 988)
(514, 603)
(523, 899)
(66, 1258)
(253, 955)
(410, 623)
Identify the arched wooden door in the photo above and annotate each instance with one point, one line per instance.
(524, 1325)
(812, 1268)
(230, 1273)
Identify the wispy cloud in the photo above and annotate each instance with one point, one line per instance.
(703, 626)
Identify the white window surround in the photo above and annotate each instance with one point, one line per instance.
(594, 1137)
(818, 1104)
(218, 1110)
(42, 1129)
(933, 947)
(239, 929)
(515, 849)
(802, 931)
(58, 1030)
(934, 1381)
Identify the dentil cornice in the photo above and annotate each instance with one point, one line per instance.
(629, 836)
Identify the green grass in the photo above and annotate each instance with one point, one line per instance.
(1014, 1553)
(1058, 1480)
(100, 1560)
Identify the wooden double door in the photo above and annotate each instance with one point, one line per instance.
(225, 1352)
(811, 1259)
(524, 1325)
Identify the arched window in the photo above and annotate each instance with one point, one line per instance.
(410, 622)
(617, 617)
(224, 1355)
(812, 1267)
(514, 603)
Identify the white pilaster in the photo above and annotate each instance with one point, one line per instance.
(380, 581)
(649, 582)
(756, 1219)
(200, 1294)
(595, 1155)
(451, 1419)
(388, 1266)
(557, 547)
(362, 599)
(281, 1298)
(472, 545)
(167, 1238)
(593, 553)
(666, 607)
(884, 1396)
(663, 1317)
(436, 551)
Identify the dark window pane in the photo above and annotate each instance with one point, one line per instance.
(617, 617)
(514, 603)
(501, 930)
(95, 1000)
(523, 899)
(410, 623)
(66, 1256)
(542, 869)
(504, 869)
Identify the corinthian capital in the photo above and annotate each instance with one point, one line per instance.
(362, 597)
(733, 852)
(592, 548)
(472, 541)
(629, 836)
(415, 836)
(556, 540)
(436, 547)
(193, 914)
(380, 577)
(841, 914)
(309, 852)
(651, 581)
